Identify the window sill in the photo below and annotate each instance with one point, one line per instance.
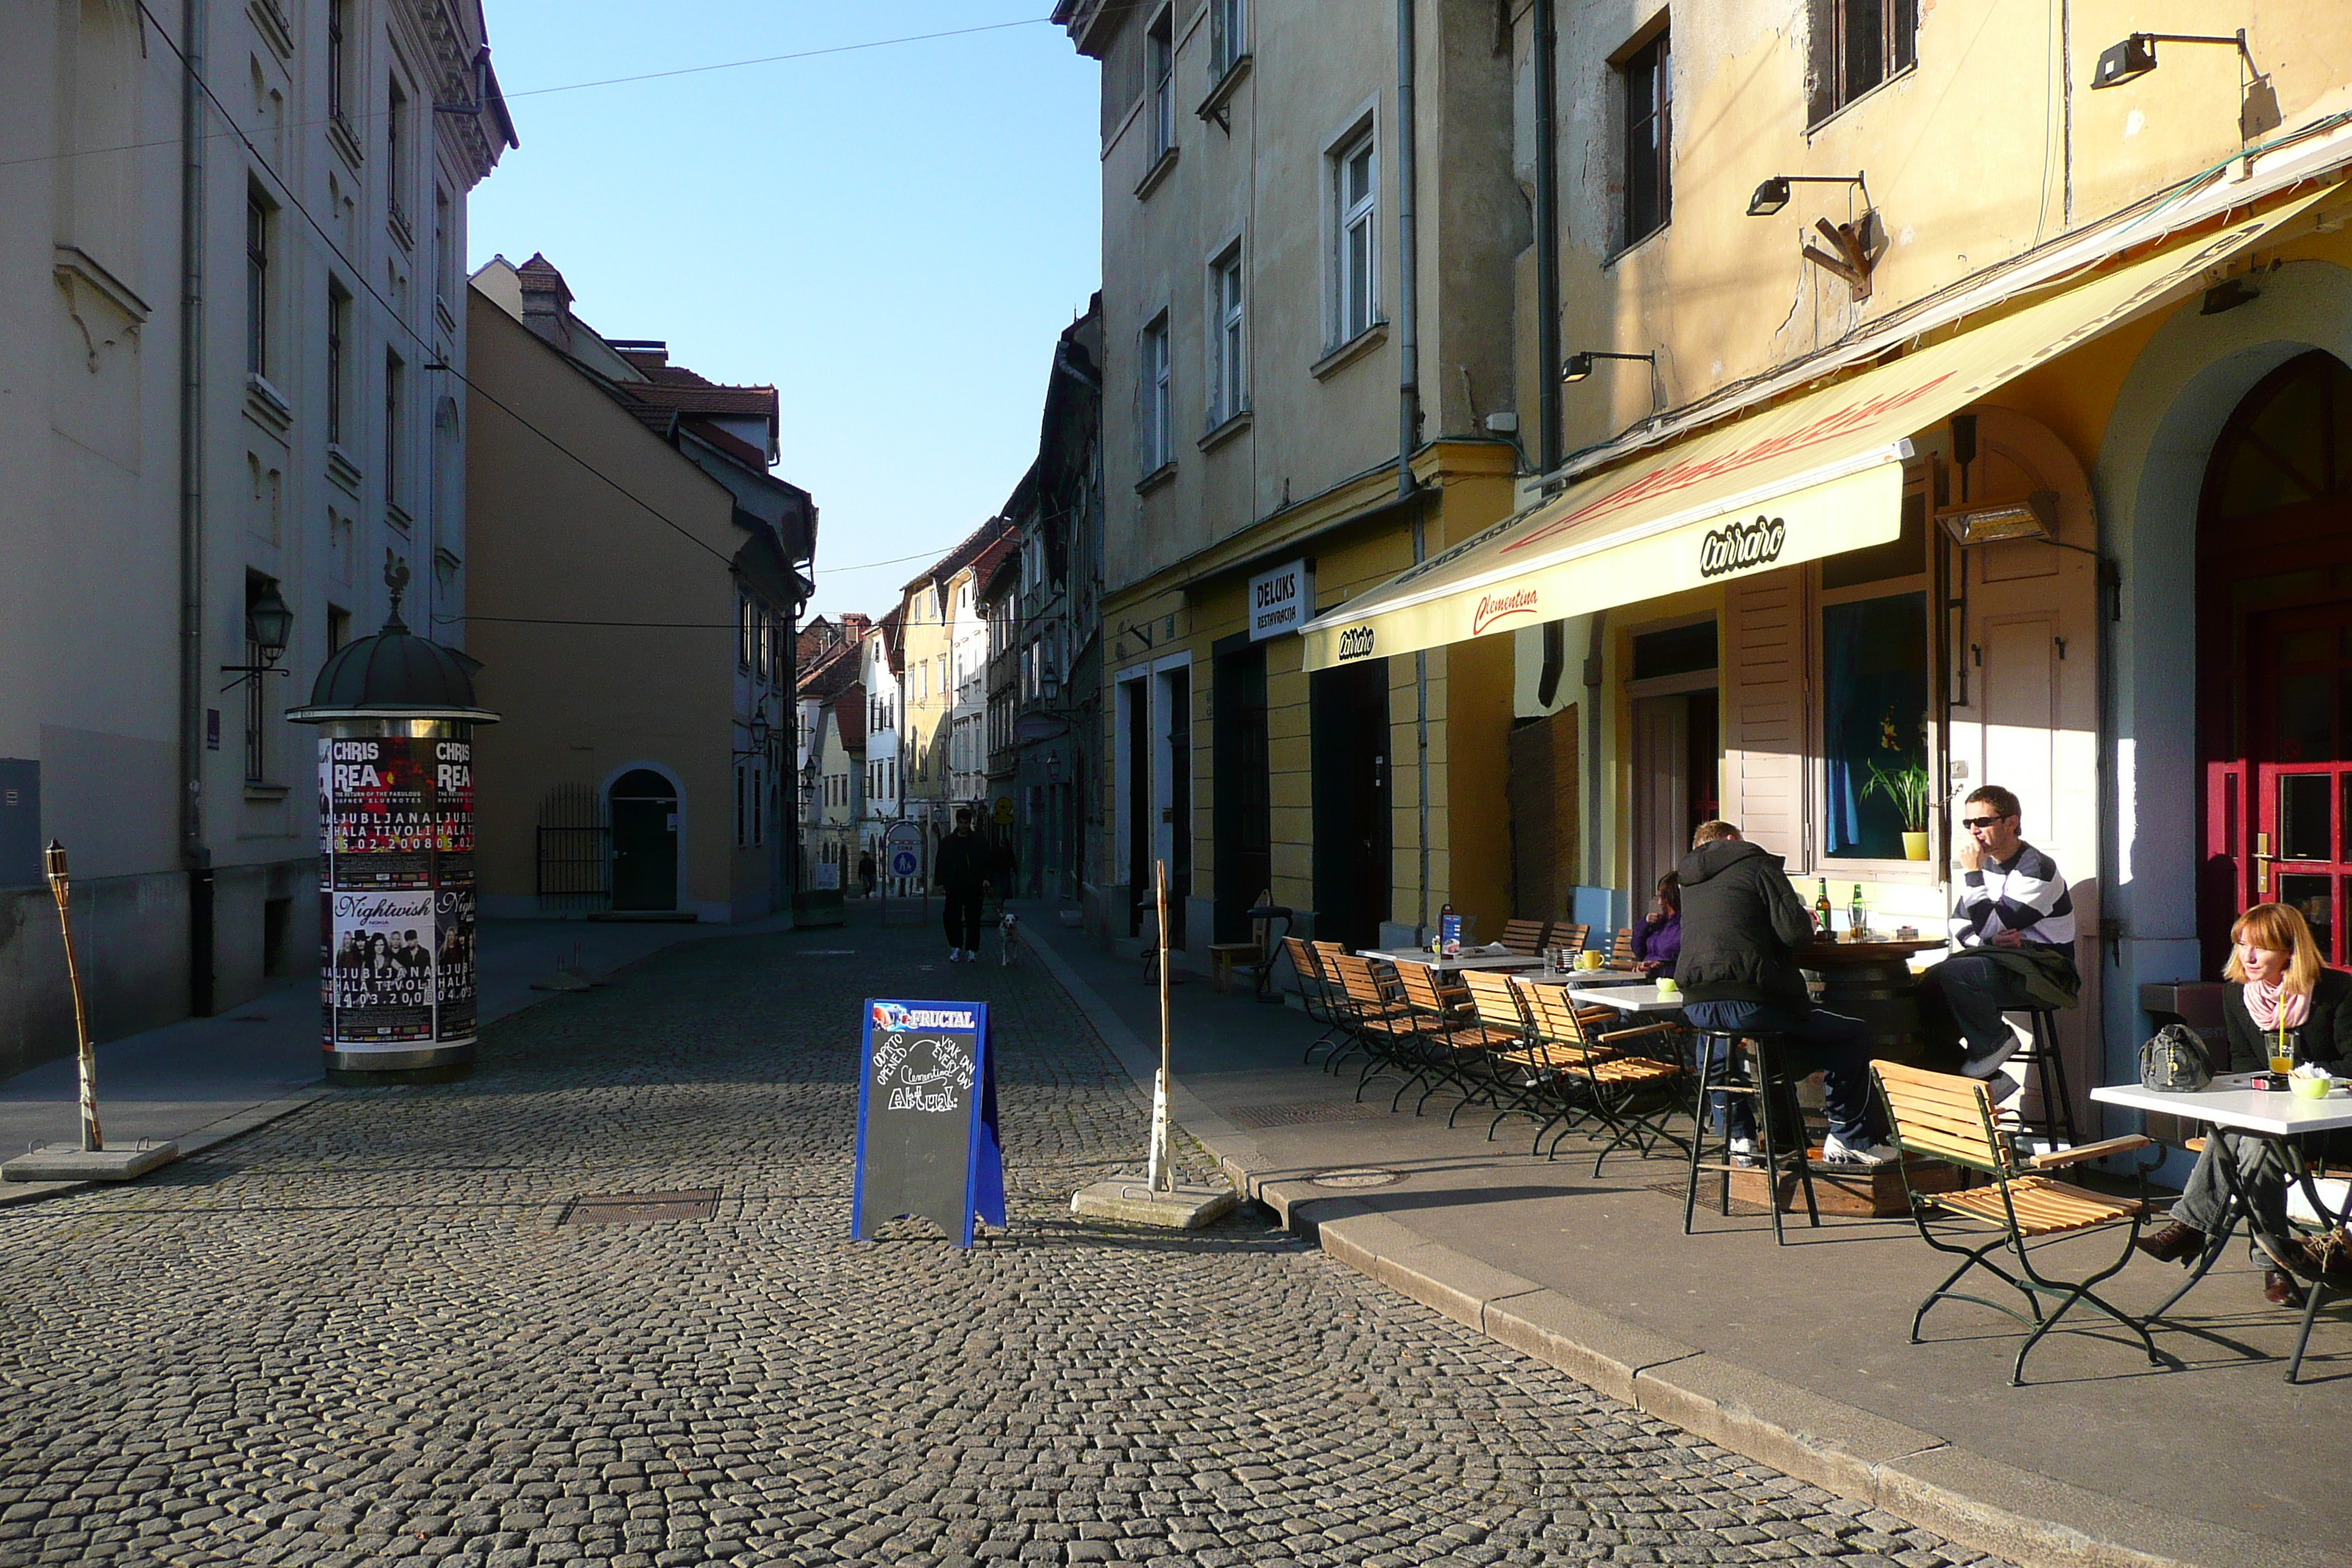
(1351, 351)
(1164, 474)
(265, 406)
(1156, 174)
(263, 794)
(1227, 85)
(1631, 245)
(395, 223)
(269, 21)
(1831, 118)
(341, 138)
(442, 313)
(342, 470)
(395, 517)
(1217, 434)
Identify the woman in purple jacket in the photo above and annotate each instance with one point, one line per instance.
(1658, 936)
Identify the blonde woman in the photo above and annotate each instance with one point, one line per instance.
(2286, 1005)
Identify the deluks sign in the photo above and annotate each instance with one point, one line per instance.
(1281, 600)
(1741, 546)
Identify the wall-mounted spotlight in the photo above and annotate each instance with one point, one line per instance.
(2036, 517)
(1774, 193)
(1858, 243)
(2258, 106)
(1580, 365)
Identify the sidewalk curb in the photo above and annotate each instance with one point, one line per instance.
(211, 1135)
(1982, 1503)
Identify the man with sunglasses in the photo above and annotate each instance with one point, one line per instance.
(2012, 933)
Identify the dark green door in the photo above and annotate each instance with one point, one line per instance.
(644, 842)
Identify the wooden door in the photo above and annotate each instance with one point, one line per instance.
(2302, 799)
(1662, 829)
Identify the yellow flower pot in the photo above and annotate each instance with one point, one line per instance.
(1915, 846)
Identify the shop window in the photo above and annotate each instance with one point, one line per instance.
(1875, 685)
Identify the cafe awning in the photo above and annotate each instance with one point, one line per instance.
(1817, 475)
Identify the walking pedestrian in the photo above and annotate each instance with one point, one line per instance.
(960, 869)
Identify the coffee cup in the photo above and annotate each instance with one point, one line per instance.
(1666, 986)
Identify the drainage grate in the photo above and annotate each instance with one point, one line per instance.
(642, 1208)
(1303, 1111)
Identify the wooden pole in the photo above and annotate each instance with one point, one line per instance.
(53, 862)
(1162, 1165)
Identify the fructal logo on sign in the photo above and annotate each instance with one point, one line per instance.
(1493, 607)
(1356, 642)
(1737, 546)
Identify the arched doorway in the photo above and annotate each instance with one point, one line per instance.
(2274, 657)
(645, 841)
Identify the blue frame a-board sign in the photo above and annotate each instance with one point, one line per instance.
(927, 1135)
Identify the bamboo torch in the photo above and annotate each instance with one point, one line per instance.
(1163, 1166)
(53, 863)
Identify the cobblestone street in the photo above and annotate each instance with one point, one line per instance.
(365, 1334)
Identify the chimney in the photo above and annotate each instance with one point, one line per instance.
(855, 626)
(546, 301)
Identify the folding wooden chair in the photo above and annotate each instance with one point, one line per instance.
(1377, 1022)
(1526, 938)
(1951, 1118)
(1455, 1044)
(1313, 995)
(1569, 935)
(1621, 950)
(1526, 1073)
(1617, 1075)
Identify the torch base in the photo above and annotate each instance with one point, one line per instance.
(88, 1164)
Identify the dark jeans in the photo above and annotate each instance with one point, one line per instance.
(1836, 1047)
(1961, 1001)
(2262, 1171)
(963, 917)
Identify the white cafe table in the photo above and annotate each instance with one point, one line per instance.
(1448, 965)
(2232, 1110)
(1628, 998)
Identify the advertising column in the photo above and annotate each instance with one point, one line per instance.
(396, 885)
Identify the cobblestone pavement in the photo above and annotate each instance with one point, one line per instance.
(365, 1335)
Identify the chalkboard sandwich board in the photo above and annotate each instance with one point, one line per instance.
(926, 1141)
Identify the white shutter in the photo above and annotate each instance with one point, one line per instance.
(1766, 660)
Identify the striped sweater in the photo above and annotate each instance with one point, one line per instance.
(2027, 896)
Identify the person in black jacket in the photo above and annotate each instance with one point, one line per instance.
(1737, 972)
(960, 869)
(2287, 1004)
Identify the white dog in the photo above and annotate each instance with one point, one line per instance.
(1008, 937)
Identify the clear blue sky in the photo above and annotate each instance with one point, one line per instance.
(892, 237)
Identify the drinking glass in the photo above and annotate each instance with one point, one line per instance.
(2281, 1054)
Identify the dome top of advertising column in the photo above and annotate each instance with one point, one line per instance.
(396, 674)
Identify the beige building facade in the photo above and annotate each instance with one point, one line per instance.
(635, 578)
(233, 242)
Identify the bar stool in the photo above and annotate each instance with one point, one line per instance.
(1776, 1100)
(2040, 1053)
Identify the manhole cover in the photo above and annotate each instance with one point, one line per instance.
(1356, 1179)
(642, 1208)
(828, 952)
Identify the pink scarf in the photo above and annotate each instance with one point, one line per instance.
(2275, 1007)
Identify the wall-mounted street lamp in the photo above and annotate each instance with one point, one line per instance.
(1580, 365)
(268, 626)
(1858, 243)
(2133, 59)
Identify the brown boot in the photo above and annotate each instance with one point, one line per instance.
(2176, 1243)
(2280, 1289)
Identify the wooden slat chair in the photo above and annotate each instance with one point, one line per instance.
(1380, 1023)
(1313, 996)
(1456, 1044)
(1527, 1073)
(1225, 957)
(1617, 1071)
(1569, 935)
(1946, 1117)
(1620, 951)
(1526, 938)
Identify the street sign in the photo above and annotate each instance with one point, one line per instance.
(903, 860)
(926, 1136)
(1281, 600)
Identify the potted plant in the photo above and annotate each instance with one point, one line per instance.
(1906, 789)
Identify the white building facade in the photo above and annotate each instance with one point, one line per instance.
(232, 243)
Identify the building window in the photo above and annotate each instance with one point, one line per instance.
(1856, 44)
(759, 817)
(1649, 138)
(257, 687)
(258, 218)
(337, 63)
(339, 628)
(1228, 380)
(339, 327)
(395, 158)
(1875, 685)
(1160, 62)
(1159, 448)
(743, 633)
(394, 373)
(1228, 35)
(1355, 191)
(741, 780)
(444, 255)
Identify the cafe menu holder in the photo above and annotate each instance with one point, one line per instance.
(927, 1132)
